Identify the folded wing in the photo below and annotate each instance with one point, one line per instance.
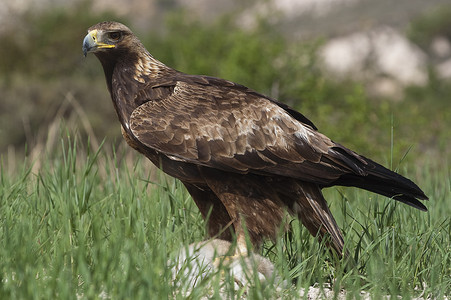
(218, 124)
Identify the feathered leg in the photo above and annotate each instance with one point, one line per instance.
(219, 224)
(306, 201)
(252, 204)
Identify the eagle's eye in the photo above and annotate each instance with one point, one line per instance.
(114, 36)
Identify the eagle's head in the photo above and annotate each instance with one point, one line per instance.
(114, 43)
(108, 38)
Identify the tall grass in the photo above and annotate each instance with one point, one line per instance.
(89, 225)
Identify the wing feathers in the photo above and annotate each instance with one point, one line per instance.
(222, 125)
(225, 125)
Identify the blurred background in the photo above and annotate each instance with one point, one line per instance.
(373, 75)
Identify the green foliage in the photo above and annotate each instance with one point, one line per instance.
(221, 49)
(47, 46)
(87, 226)
(42, 63)
(430, 25)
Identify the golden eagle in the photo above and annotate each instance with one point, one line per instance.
(245, 158)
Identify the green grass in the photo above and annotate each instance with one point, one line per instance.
(89, 225)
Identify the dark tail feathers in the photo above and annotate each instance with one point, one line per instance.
(378, 179)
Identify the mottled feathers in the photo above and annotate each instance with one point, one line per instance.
(246, 159)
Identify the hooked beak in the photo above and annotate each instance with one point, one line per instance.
(92, 42)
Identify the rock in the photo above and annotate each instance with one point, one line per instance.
(441, 47)
(444, 69)
(368, 56)
(397, 57)
(347, 56)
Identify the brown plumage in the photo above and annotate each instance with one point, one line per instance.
(245, 158)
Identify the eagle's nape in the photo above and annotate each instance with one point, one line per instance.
(244, 157)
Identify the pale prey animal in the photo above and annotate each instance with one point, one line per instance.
(246, 159)
(199, 260)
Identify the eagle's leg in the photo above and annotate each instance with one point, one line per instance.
(252, 204)
(219, 224)
(241, 245)
(306, 201)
